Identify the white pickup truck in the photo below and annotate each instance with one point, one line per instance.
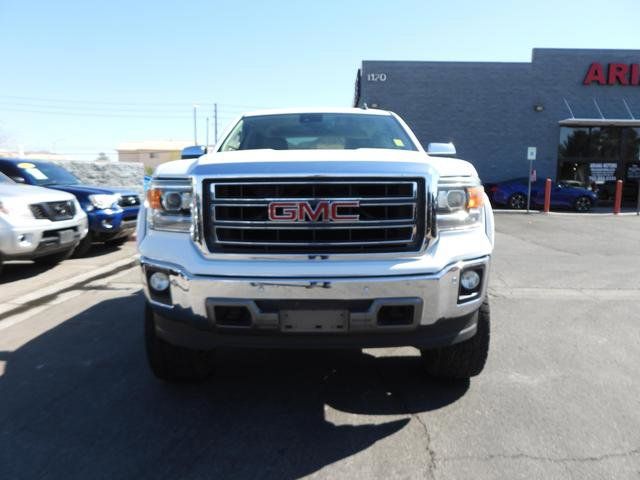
(324, 228)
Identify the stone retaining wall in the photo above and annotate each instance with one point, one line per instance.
(108, 174)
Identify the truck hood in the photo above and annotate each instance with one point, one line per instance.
(85, 190)
(357, 162)
(32, 194)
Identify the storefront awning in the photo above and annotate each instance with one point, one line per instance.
(599, 122)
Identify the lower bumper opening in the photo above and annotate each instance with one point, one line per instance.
(315, 316)
(396, 315)
(230, 316)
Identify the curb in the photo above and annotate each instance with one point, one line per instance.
(560, 214)
(25, 302)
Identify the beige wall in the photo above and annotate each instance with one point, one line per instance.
(148, 158)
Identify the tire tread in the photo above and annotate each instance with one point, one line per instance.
(465, 359)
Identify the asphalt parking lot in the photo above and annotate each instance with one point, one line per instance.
(559, 399)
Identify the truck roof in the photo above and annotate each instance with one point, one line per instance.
(301, 110)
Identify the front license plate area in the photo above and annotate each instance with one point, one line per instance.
(314, 321)
(66, 236)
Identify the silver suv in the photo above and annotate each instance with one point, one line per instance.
(38, 223)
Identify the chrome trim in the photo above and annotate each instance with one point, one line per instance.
(241, 202)
(369, 223)
(197, 235)
(313, 226)
(438, 290)
(384, 224)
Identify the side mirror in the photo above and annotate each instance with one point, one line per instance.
(195, 151)
(441, 150)
(18, 179)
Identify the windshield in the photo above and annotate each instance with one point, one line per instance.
(45, 174)
(318, 131)
(5, 179)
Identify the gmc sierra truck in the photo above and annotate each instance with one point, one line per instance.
(328, 228)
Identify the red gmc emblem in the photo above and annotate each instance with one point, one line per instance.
(324, 211)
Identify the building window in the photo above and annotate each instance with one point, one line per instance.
(153, 155)
(597, 156)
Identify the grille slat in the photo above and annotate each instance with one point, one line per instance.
(391, 216)
(129, 201)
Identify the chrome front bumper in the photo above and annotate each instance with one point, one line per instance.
(435, 298)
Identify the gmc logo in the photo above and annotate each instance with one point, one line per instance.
(324, 211)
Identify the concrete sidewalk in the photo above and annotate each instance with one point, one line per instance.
(24, 283)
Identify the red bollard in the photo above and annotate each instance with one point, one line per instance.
(617, 202)
(547, 195)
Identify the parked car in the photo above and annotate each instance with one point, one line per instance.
(112, 212)
(513, 194)
(38, 223)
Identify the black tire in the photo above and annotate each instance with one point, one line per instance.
(172, 363)
(583, 204)
(461, 360)
(517, 201)
(84, 246)
(54, 259)
(118, 241)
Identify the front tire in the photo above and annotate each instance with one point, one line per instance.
(172, 363)
(118, 241)
(517, 201)
(461, 360)
(84, 246)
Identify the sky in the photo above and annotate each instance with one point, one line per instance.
(80, 77)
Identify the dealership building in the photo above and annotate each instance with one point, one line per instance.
(579, 108)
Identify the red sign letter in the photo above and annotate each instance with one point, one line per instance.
(618, 73)
(635, 74)
(595, 74)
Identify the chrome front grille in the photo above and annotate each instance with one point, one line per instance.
(342, 215)
(54, 211)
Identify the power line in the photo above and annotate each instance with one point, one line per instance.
(129, 103)
(159, 116)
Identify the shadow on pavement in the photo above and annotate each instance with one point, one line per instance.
(79, 402)
(99, 249)
(21, 270)
(14, 270)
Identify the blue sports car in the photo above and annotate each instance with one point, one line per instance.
(513, 194)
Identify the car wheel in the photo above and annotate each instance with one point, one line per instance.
(583, 204)
(172, 363)
(517, 201)
(84, 246)
(54, 259)
(461, 360)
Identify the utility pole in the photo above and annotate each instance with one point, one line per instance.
(207, 144)
(215, 122)
(195, 125)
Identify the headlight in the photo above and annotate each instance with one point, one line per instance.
(170, 203)
(459, 206)
(16, 209)
(102, 201)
